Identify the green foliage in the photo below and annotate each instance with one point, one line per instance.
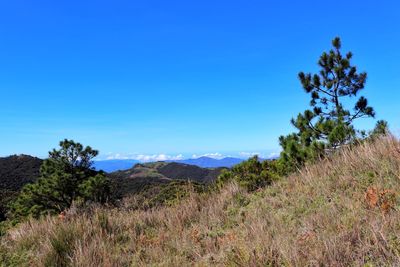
(166, 194)
(67, 175)
(329, 123)
(62, 245)
(297, 150)
(96, 188)
(6, 196)
(251, 174)
(175, 191)
(381, 128)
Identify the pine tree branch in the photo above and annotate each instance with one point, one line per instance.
(322, 90)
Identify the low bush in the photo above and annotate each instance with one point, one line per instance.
(251, 174)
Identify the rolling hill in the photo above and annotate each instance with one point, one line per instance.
(15, 172)
(114, 165)
(203, 162)
(342, 211)
(144, 175)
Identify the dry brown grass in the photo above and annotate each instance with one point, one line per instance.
(340, 212)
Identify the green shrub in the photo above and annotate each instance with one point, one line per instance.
(251, 174)
(62, 246)
(174, 192)
(96, 188)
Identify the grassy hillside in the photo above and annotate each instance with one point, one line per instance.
(343, 211)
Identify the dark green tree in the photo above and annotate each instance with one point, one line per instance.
(329, 123)
(67, 175)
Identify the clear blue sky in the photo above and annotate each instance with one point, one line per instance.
(191, 77)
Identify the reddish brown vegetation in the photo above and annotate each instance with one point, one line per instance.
(383, 199)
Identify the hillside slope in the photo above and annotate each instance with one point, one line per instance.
(15, 172)
(340, 212)
(114, 165)
(203, 162)
(145, 175)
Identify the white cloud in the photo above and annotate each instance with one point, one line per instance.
(249, 154)
(142, 157)
(158, 157)
(273, 155)
(117, 156)
(215, 155)
(164, 157)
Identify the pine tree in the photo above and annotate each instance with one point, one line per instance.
(329, 123)
(67, 175)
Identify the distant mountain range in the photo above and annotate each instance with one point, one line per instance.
(203, 162)
(207, 162)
